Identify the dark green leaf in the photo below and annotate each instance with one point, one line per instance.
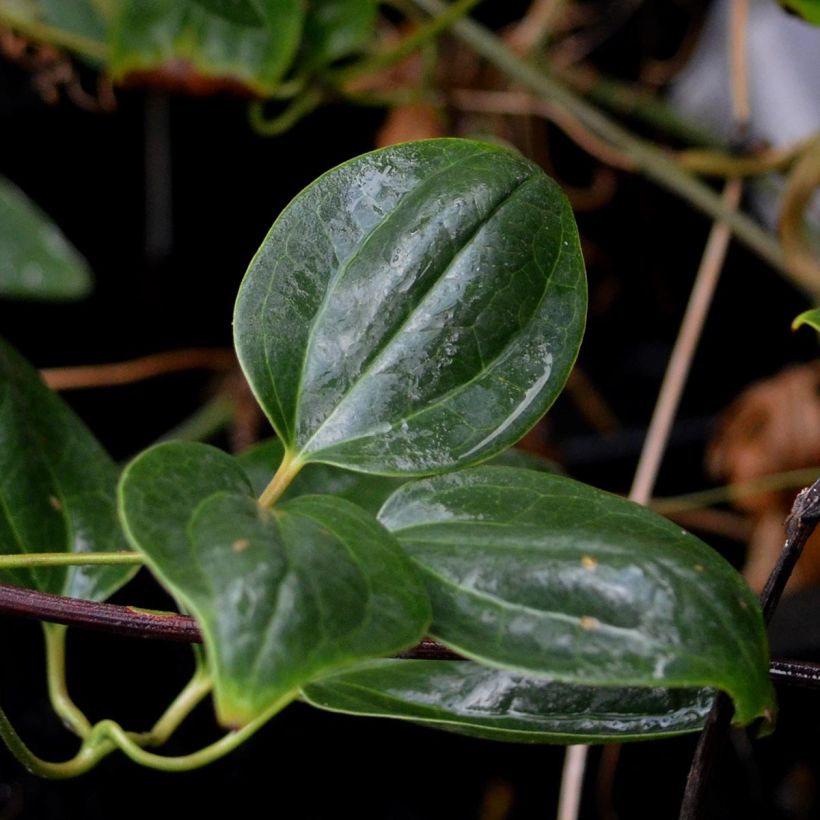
(336, 29)
(281, 596)
(57, 487)
(495, 704)
(414, 310)
(36, 261)
(368, 491)
(156, 34)
(542, 575)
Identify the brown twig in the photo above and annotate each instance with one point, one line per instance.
(132, 622)
(799, 527)
(146, 367)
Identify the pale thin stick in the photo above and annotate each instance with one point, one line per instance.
(682, 354)
(657, 436)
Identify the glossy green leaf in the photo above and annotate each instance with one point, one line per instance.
(335, 29)
(415, 309)
(36, 261)
(496, 704)
(57, 487)
(153, 34)
(809, 10)
(282, 596)
(808, 317)
(542, 575)
(368, 491)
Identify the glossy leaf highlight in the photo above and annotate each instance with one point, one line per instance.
(57, 487)
(415, 309)
(542, 575)
(495, 704)
(282, 596)
(36, 260)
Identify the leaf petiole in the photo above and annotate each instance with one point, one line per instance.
(71, 715)
(94, 749)
(227, 743)
(287, 471)
(198, 687)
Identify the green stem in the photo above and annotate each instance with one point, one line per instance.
(287, 471)
(202, 757)
(719, 495)
(69, 559)
(63, 705)
(299, 108)
(91, 752)
(198, 687)
(41, 32)
(649, 159)
(424, 34)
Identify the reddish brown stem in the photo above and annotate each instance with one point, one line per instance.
(139, 623)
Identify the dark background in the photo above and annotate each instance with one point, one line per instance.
(222, 188)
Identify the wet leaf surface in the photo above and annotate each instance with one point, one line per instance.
(543, 575)
(415, 309)
(57, 487)
(282, 596)
(495, 704)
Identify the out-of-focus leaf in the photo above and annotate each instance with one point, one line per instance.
(36, 261)
(808, 317)
(86, 21)
(57, 487)
(808, 9)
(178, 36)
(336, 29)
(243, 12)
(495, 704)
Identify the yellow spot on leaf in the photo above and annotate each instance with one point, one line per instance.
(588, 562)
(698, 568)
(589, 623)
(240, 545)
